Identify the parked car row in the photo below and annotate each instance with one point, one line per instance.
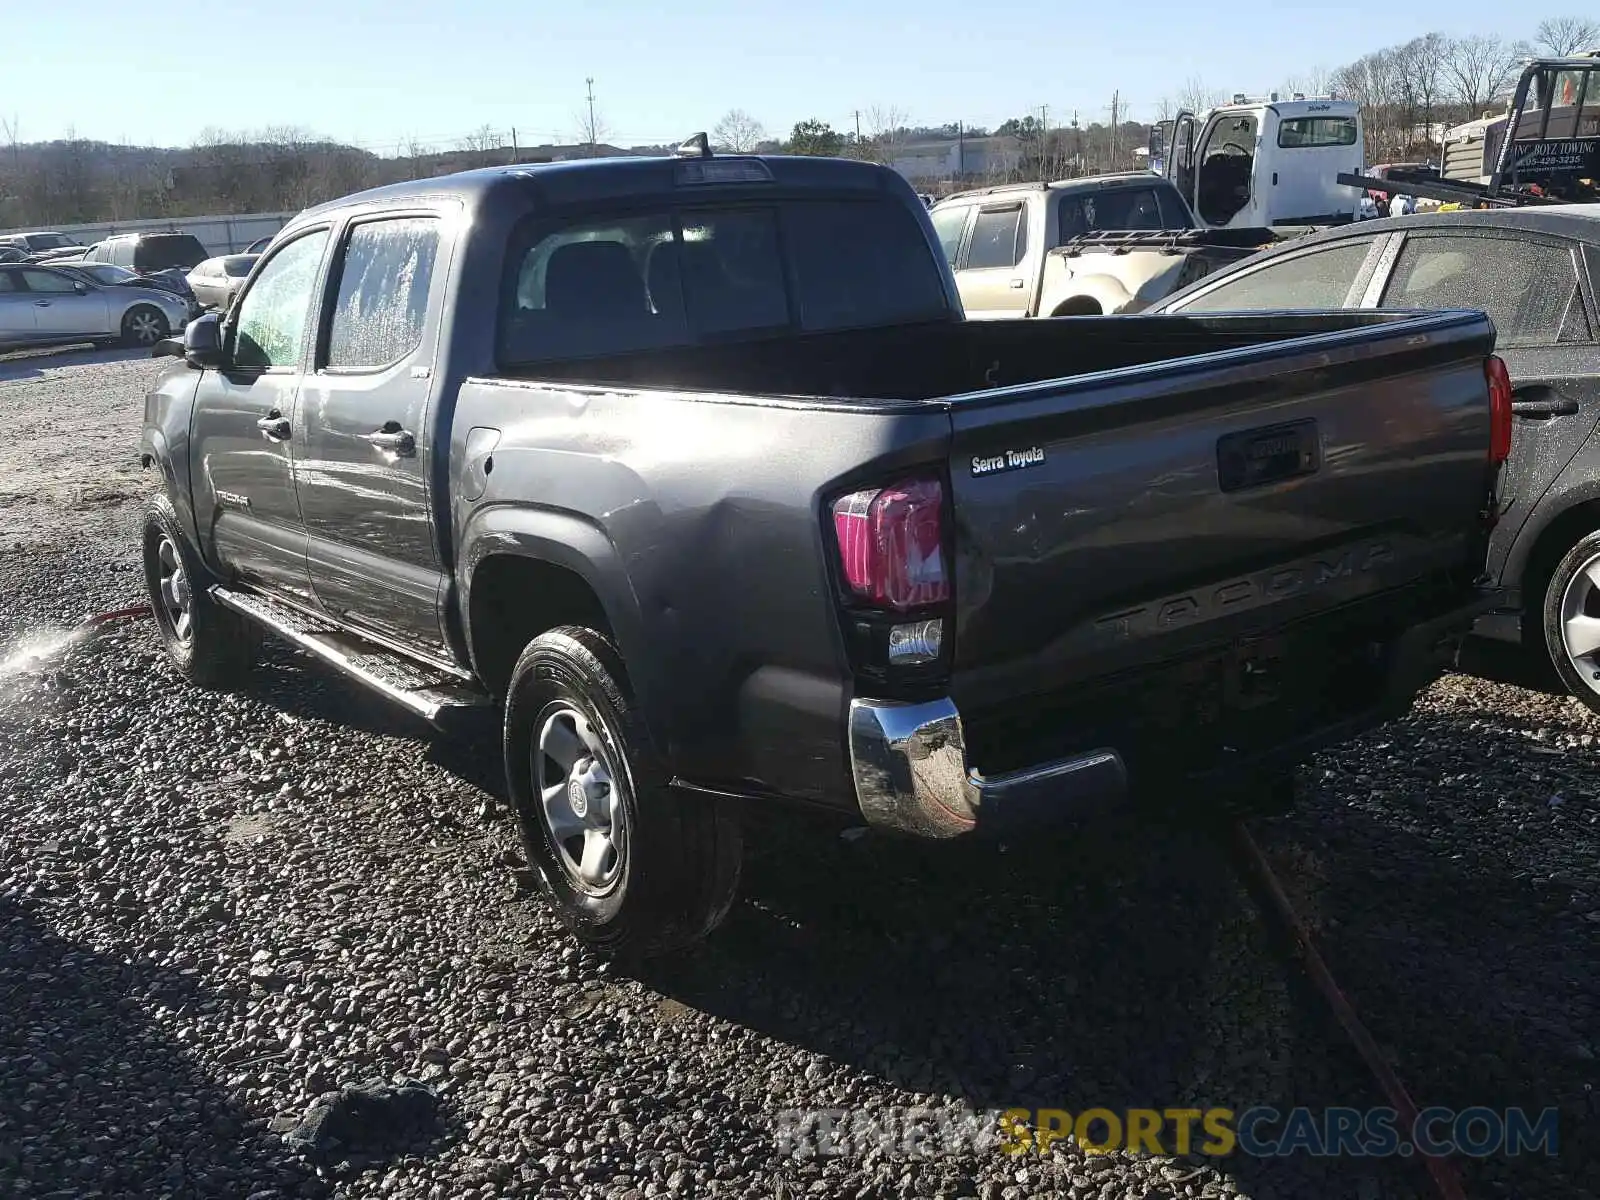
(170, 262)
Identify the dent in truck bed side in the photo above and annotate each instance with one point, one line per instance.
(703, 520)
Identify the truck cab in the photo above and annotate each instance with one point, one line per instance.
(1268, 163)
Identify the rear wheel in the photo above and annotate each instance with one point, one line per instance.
(144, 325)
(208, 644)
(631, 867)
(1572, 620)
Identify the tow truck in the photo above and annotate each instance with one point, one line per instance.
(1264, 163)
(1544, 149)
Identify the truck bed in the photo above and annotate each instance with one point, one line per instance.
(1137, 501)
(944, 359)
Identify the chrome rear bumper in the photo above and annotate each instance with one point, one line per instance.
(909, 762)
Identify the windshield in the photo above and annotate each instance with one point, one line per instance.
(615, 284)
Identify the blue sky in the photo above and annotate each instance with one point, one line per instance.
(375, 72)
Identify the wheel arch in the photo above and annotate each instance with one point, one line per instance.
(526, 570)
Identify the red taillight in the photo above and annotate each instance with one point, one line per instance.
(1499, 379)
(891, 544)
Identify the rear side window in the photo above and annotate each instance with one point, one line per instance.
(384, 281)
(618, 284)
(1316, 131)
(949, 224)
(1526, 287)
(1321, 279)
(999, 239)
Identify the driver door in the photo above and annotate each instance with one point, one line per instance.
(244, 421)
(64, 307)
(1178, 165)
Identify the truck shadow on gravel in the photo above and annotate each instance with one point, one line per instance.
(1116, 967)
(96, 1097)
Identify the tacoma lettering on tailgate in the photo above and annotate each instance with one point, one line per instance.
(1275, 583)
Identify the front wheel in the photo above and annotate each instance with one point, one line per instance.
(143, 325)
(632, 868)
(208, 644)
(1572, 620)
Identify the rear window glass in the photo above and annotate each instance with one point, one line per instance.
(160, 253)
(1317, 131)
(615, 284)
(1134, 208)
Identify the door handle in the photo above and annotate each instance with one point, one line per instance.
(1016, 283)
(41, 304)
(274, 428)
(395, 440)
(1541, 403)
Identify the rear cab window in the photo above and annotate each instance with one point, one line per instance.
(1141, 208)
(709, 272)
(159, 253)
(1308, 132)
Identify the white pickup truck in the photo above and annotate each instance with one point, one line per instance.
(1079, 247)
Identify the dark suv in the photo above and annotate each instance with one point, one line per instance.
(147, 253)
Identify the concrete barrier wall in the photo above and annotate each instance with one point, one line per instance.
(220, 235)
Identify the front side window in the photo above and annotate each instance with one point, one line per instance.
(1319, 280)
(274, 314)
(1526, 287)
(611, 285)
(999, 239)
(48, 282)
(1317, 131)
(383, 291)
(9, 282)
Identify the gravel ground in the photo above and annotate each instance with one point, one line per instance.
(214, 909)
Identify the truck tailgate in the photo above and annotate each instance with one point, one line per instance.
(1109, 521)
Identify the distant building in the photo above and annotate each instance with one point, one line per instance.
(949, 158)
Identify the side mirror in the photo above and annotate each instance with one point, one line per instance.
(202, 342)
(1155, 145)
(80, 287)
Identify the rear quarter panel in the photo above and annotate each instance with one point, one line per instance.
(697, 519)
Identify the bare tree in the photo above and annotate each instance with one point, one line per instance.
(483, 143)
(1197, 97)
(1561, 36)
(738, 132)
(885, 134)
(1479, 68)
(1313, 81)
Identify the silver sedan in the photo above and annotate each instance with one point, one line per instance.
(43, 306)
(216, 281)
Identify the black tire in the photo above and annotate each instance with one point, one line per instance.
(1569, 594)
(215, 648)
(673, 866)
(144, 325)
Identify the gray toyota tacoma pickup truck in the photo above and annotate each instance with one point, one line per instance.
(689, 473)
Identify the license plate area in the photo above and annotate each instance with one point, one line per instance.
(1256, 457)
